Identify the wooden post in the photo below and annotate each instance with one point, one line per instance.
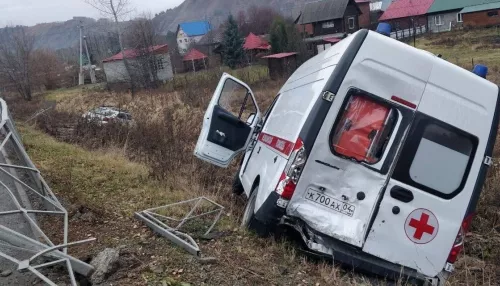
(204, 63)
(194, 68)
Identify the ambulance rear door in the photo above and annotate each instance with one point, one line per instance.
(435, 178)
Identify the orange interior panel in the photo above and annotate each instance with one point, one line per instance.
(362, 120)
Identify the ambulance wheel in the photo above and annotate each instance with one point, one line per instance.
(237, 187)
(249, 221)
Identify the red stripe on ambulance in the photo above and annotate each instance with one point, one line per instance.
(279, 144)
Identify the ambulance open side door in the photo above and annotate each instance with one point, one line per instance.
(229, 122)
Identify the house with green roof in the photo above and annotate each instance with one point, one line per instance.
(445, 15)
(481, 15)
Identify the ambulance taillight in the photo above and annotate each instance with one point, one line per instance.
(458, 245)
(293, 169)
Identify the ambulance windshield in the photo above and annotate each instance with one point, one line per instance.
(364, 129)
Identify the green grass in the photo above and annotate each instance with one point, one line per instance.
(98, 179)
(464, 47)
(253, 73)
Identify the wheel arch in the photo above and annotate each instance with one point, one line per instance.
(256, 182)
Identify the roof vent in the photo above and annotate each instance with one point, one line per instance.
(481, 70)
(384, 29)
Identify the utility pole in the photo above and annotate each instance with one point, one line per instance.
(91, 70)
(80, 75)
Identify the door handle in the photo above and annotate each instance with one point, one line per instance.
(220, 133)
(402, 194)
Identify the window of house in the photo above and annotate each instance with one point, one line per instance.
(493, 14)
(329, 24)
(180, 41)
(438, 20)
(185, 40)
(352, 23)
(460, 18)
(159, 63)
(436, 158)
(364, 129)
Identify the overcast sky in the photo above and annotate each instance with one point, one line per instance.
(31, 12)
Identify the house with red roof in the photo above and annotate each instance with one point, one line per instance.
(114, 67)
(254, 42)
(254, 46)
(195, 60)
(281, 65)
(406, 14)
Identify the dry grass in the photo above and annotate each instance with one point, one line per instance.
(110, 187)
(112, 172)
(464, 47)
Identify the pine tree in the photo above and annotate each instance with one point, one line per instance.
(233, 44)
(279, 36)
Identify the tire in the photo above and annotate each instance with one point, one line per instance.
(249, 221)
(237, 186)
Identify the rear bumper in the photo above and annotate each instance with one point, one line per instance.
(352, 257)
(320, 245)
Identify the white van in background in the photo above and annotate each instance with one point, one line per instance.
(373, 151)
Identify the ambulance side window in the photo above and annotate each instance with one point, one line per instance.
(363, 131)
(436, 158)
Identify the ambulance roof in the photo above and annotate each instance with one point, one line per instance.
(387, 58)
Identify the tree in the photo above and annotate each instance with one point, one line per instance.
(285, 37)
(103, 42)
(260, 19)
(15, 60)
(243, 25)
(232, 44)
(279, 36)
(142, 36)
(116, 9)
(46, 69)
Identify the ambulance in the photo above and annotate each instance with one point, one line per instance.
(373, 152)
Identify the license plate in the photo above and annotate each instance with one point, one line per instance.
(331, 203)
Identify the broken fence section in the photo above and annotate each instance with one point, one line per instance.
(28, 208)
(174, 221)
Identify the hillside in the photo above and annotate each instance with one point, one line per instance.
(216, 11)
(60, 35)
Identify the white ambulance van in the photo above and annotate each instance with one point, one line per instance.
(373, 151)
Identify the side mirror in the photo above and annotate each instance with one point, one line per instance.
(250, 119)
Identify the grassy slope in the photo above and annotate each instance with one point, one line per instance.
(112, 188)
(464, 47)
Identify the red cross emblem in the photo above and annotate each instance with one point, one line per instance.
(421, 226)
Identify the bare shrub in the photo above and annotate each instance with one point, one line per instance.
(16, 50)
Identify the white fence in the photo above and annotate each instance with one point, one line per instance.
(407, 33)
